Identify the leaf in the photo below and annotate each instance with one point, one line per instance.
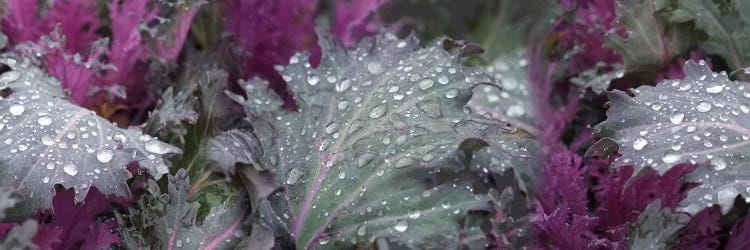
(655, 228)
(20, 236)
(652, 39)
(48, 140)
(172, 109)
(511, 100)
(233, 146)
(168, 220)
(726, 24)
(700, 118)
(374, 122)
(7, 200)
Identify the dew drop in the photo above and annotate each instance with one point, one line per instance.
(703, 107)
(104, 156)
(639, 143)
(676, 118)
(70, 169)
(313, 80)
(401, 226)
(44, 120)
(364, 159)
(156, 147)
(378, 111)
(414, 214)
(50, 166)
(344, 85)
(332, 127)
(715, 89)
(10, 76)
(670, 157)
(451, 93)
(425, 83)
(343, 105)
(46, 140)
(404, 162)
(45, 179)
(443, 80)
(719, 164)
(16, 109)
(362, 230)
(374, 68)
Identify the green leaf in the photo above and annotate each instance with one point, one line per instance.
(168, 220)
(510, 101)
(48, 140)
(374, 123)
(655, 228)
(20, 236)
(726, 24)
(234, 146)
(703, 117)
(7, 200)
(652, 41)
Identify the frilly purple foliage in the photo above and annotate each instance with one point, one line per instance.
(77, 20)
(593, 20)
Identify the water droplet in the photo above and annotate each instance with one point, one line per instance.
(16, 109)
(44, 120)
(294, 176)
(362, 230)
(332, 127)
(443, 80)
(639, 143)
(670, 157)
(378, 111)
(50, 166)
(343, 105)
(344, 85)
(703, 107)
(45, 179)
(715, 89)
(451, 93)
(105, 155)
(426, 83)
(676, 118)
(401, 226)
(46, 140)
(178, 243)
(374, 68)
(414, 214)
(364, 159)
(157, 147)
(719, 164)
(313, 80)
(393, 89)
(70, 169)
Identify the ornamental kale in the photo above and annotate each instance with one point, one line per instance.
(374, 124)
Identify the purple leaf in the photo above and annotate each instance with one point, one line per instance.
(739, 237)
(351, 19)
(702, 230)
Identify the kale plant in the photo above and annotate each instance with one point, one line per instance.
(374, 124)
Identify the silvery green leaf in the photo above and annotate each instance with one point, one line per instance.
(695, 120)
(510, 101)
(374, 122)
(598, 81)
(726, 26)
(655, 228)
(7, 200)
(20, 236)
(173, 108)
(168, 220)
(652, 40)
(47, 140)
(233, 146)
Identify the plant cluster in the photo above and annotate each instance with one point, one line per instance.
(353, 124)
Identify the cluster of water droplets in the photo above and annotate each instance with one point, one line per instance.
(368, 118)
(702, 118)
(48, 140)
